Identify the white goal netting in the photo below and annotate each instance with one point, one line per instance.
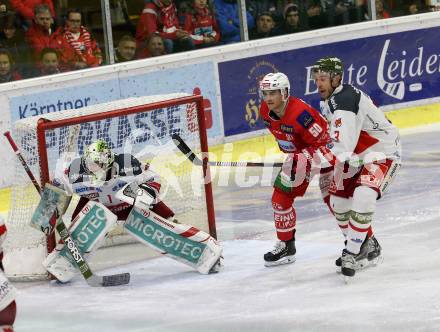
(140, 126)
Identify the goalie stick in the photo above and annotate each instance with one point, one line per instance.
(91, 278)
(185, 149)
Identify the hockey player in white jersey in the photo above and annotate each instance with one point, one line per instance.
(119, 182)
(366, 154)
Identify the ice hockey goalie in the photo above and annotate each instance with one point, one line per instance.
(129, 190)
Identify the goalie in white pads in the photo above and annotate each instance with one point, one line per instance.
(8, 292)
(121, 182)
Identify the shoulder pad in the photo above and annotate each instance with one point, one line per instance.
(346, 100)
(127, 164)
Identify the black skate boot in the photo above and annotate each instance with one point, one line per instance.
(374, 249)
(350, 262)
(338, 261)
(283, 253)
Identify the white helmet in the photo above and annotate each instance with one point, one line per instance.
(276, 81)
(98, 154)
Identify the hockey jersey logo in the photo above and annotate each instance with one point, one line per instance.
(333, 102)
(286, 128)
(338, 122)
(286, 145)
(305, 119)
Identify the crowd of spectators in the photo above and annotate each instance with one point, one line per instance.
(43, 37)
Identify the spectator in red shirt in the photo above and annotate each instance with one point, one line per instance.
(39, 35)
(7, 70)
(161, 16)
(77, 48)
(26, 8)
(201, 24)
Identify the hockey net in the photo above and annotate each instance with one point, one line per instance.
(140, 126)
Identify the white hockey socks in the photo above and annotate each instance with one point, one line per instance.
(357, 230)
(341, 208)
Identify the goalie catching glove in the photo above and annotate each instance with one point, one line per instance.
(141, 195)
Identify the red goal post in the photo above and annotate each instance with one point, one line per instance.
(141, 126)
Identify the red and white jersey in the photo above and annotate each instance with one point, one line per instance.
(160, 18)
(201, 23)
(301, 126)
(358, 127)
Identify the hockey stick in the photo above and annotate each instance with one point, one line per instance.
(91, 278)
(185, 149)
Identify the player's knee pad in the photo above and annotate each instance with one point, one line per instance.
(364, 200)
(340, 205)
(281, 200)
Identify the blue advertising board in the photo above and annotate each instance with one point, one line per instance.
(136, 131)
(393, 68)
(184, 79)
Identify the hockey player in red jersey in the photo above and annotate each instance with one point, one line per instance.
(366, 152)
(299, 130)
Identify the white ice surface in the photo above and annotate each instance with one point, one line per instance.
(401, 294)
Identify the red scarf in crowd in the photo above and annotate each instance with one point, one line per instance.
(84, 39)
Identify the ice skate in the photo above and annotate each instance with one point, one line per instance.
(350, 263)
(374, 252)
(373, 255)
(283, 253)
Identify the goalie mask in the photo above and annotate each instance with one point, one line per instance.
(328, 65)
(275, 81)
(98, 158)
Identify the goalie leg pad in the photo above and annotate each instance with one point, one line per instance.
(184, 243)
(59, 266)
(88, 230)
